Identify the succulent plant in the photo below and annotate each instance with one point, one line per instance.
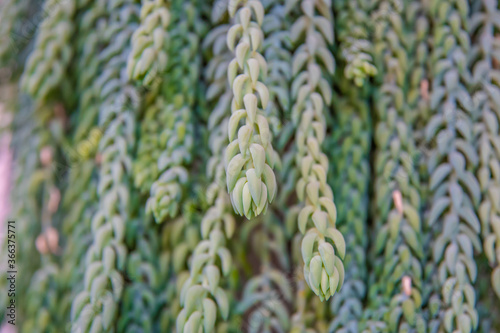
(253, 165)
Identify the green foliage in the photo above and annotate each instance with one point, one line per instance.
(323, 246)
(203, 297)
(353, 133)
(148, 57)
(16, 31)
(360, 139)
(354, 38)
(452, 162)
(398, 244)
(95, 308)
(250, 157)
(173, 130)
(46, 67)
(486, 98)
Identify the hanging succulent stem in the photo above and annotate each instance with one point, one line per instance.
(202, 297)
(351, 151)
(14, 15)
(87, 67)
(80, 198)
(148, 58)
(182, 114)
(250, 157)
(173, 132)
(267, 295)
(353, 34)
(45, 71)
(48, 308)
(323, 247)
(45, 74)
(397, 288)
(95, 308)
(25, 203)
(147, 63)
(485, 76)
(144, 268)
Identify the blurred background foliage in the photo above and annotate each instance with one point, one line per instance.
(251, 165)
